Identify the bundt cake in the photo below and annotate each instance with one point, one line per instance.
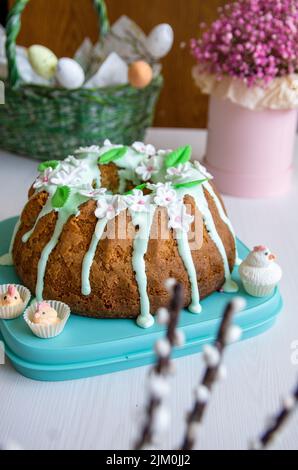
(104, 229)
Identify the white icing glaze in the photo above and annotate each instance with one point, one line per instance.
(198, 195)
(222, 215)
(47, 209)
(82, 176)
(42, 264)
(89, 256)
(186, 256)
(144, 221)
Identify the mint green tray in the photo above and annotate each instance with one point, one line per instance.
(89, 347)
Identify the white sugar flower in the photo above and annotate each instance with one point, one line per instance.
(147, 168)
(91, 149)
(71, 172)
(179, 219)
(202, 170)
(73, 161)
(109, 207)
(140, 147)
(43, 179)
(92, 193)
(165, 195)
(137, 201)
(179, 171)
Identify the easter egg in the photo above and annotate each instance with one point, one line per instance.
(160, 40)
(69, 74)
(43, 61)
(140, 74)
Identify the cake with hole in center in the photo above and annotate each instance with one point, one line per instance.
(104, 229)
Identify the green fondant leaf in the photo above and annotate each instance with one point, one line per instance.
(140, 186)
(60, 197)
(112, 155)
(179, 156)
(50, 164)
(191, 184)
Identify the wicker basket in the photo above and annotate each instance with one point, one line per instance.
(43, 122)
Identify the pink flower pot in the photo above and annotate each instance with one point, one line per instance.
(250, 153)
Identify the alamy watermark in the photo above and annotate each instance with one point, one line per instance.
(122, 227)
(2, 93)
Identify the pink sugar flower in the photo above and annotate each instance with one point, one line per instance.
(137, 201)
(43, 179)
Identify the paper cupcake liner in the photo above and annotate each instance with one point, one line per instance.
(9, 313)
(256, 290)
(48, 331)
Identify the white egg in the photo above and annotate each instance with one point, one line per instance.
(69, 73)
(160, 40)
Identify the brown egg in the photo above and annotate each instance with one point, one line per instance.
(140, 74)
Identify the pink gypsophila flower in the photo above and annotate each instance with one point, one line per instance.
(252, 40)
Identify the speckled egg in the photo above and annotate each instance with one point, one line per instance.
(140, 74)
(69, 74)
(160, 40)
(43, 61)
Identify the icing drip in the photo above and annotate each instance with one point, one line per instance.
(185, 254)
(6, 260)
(93, 174)
(229, 285)
(70, 208)
(89, 256)
(42, 264)
(47, 209)
(223, 216)
(144, 221)
(201, 202)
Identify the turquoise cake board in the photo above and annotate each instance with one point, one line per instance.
(89, 347)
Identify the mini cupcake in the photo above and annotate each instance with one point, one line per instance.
(13, 301)
(259, 272)
(47, 319)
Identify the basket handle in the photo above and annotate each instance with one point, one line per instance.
(13, 27)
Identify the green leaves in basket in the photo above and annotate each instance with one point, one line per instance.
(190, 184)
(50, 164)
(140, 186)
(179, 156)
(60, 197)
(112, 155)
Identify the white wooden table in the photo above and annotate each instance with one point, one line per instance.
(103, 412)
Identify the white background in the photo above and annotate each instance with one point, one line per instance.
(103, 412)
